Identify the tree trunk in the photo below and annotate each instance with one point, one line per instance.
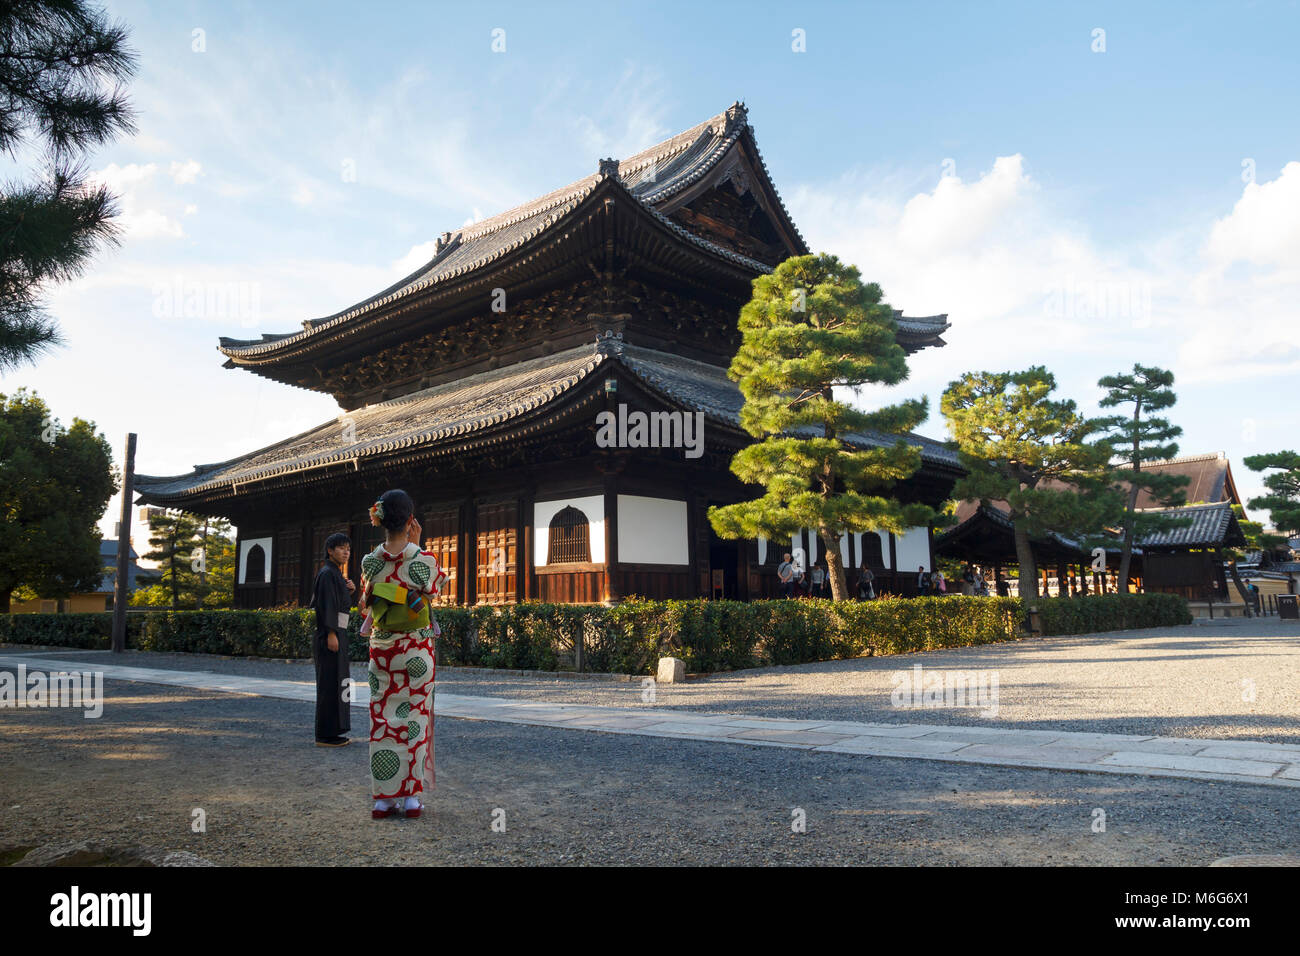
(1241, 587)
(1028, 569)
(834, 566)
(1126, 555)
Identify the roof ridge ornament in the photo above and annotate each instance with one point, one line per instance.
(441, 243)
(737, 118)
(609, 342)
(608, 167)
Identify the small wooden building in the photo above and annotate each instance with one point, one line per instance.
(1190, 560)
(477, 384)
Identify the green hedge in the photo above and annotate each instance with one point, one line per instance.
(630, 637)
(1111, 612)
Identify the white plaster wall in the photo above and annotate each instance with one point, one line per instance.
(913, 550)
(652, 530)
(244, 547)
(593, 506)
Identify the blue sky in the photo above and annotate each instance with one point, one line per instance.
(1066, 206)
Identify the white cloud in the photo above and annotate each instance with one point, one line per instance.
(956, 213)
(416, 257)
(132, 185)
(186, 172)
(1263, 228)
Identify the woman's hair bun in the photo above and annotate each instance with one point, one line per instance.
(398, 508)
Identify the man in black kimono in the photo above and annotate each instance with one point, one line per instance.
(332, 599)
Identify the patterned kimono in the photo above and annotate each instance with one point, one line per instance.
(401, 668)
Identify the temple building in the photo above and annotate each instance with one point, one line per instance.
(476, 383)
(1187, 560)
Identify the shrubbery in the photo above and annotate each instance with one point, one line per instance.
(630, 637)
(1111, 612)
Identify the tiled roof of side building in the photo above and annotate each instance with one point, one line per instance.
(1210, 525)
(478, 402)
(652, 176)
(1209, 478)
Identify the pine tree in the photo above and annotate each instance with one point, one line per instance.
(812, 325)
(1142, 438)
(61, 63)
(214, 584)
(1013, 439)
(1283, 500)
(173, 538)
(183, 579)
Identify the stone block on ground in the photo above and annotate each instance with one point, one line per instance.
(672, 670)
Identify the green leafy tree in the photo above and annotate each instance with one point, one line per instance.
(1283, 500)
(812, 325)
(196, 562)
(1253, 531)
(55, 483)
(61, 66)
(172, 536)
(217, 585)
(1015, 442)
(1142, 437)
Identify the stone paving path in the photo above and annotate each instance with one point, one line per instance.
(1240, 761)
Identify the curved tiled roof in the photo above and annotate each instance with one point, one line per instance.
(425, 417)
(1211, 525)
(479, 402)
(651, 176)
(704, 387)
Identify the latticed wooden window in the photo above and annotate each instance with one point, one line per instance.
(288, 567)
(568, 537)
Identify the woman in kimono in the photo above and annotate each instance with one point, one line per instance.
(332, 599)
(397, 580)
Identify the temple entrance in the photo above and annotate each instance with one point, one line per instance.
(724, 566)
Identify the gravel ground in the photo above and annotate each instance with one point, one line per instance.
(1179, 682)
(134, 776)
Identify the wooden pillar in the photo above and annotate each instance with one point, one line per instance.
(611, 540)
(124, 549)
(306, 559)
(469, 552)
(895, 586)
(527, 589)
(1083, 578)
(692, 551)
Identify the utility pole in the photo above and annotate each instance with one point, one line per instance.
(123, 549)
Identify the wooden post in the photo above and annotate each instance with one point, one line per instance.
(524, 537)
(470, 557)
(611, 540)
(123, 549)
(894, 582)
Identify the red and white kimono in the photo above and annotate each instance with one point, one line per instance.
(402, 671)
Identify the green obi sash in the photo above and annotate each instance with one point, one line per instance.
(396, 608)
